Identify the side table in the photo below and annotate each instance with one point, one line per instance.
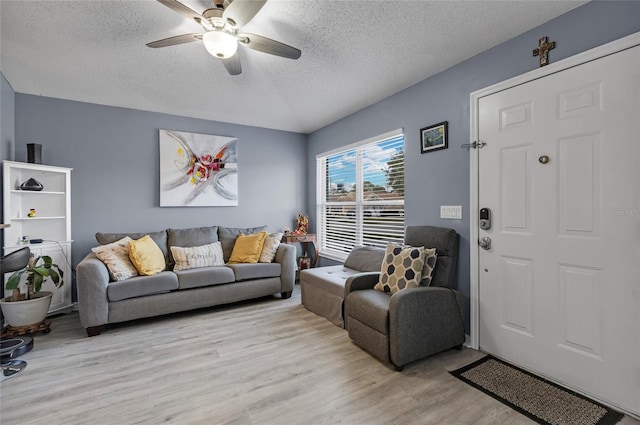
(305, 239)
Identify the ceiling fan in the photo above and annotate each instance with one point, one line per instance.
(221, 37)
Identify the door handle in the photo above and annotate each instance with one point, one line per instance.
(485, 242)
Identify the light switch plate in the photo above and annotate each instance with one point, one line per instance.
(451, 212)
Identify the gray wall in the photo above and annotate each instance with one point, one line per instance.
(7, 118)
(115, 179)
(442, 177)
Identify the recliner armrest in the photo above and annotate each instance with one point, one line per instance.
(424, 321)
(360, 281)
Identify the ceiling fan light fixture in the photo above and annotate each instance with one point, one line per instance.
(220, 44)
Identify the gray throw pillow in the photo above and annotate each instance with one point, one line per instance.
(365, 259)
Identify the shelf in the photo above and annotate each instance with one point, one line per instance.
(44, 244)
(52, 222)
(37, 218)
(36, 192)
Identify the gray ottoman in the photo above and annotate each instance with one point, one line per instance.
(322, 291)
(322, 288)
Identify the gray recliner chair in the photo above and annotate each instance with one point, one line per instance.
(412, 323)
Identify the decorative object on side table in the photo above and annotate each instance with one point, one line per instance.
(434, 137)
(32, 185)
(26, 312)
(305, 262)
(302, 224)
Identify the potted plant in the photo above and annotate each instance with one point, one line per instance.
(25, 309)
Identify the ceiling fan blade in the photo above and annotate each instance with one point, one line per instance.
(239, 12)
(185, 11)
(267, 45)
(233, 64)
(178, 39)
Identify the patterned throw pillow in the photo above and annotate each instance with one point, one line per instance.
(401, 268)
(197, 256)
(429, 264)
(270, 247)
(116, 257)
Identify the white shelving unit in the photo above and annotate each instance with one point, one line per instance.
(52, 222)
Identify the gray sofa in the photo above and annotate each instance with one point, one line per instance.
(102, 301)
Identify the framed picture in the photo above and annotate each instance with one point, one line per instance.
(197, 170)
(434, 137)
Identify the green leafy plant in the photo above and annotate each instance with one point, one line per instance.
(38, 271)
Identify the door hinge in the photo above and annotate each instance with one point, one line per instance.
(475, 145)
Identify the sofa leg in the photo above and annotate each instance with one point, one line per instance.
(286, 295)
(458, 347)
(398, 368)
(94, 330)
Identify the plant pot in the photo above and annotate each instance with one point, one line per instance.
(27, 312)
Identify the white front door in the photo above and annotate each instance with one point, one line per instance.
(560, 173)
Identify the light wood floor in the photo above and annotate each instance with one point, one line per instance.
(265, 362)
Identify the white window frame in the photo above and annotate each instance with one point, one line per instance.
(321, 191)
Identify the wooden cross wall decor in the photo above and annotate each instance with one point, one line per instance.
(543, 50)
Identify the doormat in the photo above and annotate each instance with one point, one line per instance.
(540, 400)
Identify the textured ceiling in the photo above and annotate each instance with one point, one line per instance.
(354, 53)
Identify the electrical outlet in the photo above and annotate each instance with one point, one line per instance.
(451, 212)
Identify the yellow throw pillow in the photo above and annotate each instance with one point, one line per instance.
(146, 255)
(247, 248)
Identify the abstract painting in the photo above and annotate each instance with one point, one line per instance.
(197, 170)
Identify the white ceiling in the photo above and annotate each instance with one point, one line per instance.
(354, 53)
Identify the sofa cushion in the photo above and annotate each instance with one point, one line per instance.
(140, 286)
(195, 236)
(370, 307)
(160, 238)
(401, 268)
(365, 258)
(116, 257)
(205, 276)
(270, 247)
(197, 256)
(330, 278)
(247, 248)
(146, 256)
(255, 271)
(227, 237)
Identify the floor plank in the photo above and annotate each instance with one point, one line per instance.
(268, 361)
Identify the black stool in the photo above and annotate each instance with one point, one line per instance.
(10, 348)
